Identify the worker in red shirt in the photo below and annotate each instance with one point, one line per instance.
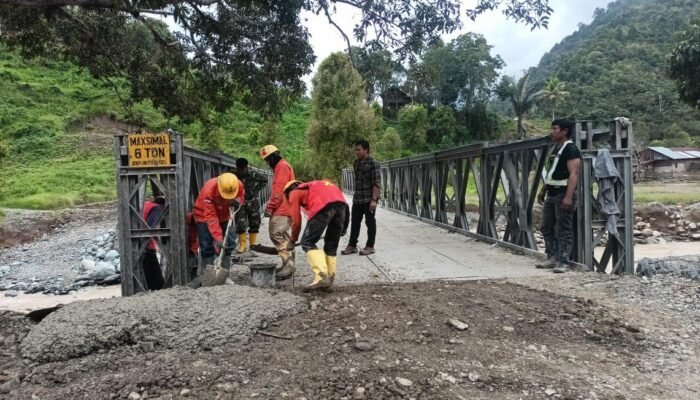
(326, 210)
(278, 211)
(211, 212)
(152, 212)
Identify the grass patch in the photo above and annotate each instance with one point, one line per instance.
(61, 183)
(667, 192)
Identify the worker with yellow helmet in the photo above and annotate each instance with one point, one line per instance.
(212, 212)
(280, 215)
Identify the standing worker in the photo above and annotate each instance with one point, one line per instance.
(560, 190)
(278, 210)
(365, 198)
(327, 211)
(212, 211)
(248, 217)
(152, 211)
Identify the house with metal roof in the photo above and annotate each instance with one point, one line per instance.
(669, 162)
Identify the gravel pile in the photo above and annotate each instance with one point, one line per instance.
(178, 318)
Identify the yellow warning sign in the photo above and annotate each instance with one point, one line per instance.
(149, 150)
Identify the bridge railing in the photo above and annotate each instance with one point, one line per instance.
(177, 176)
(499, 183)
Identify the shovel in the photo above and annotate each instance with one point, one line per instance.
(215, 275)
(261, 248)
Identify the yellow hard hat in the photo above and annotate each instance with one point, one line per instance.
(228, 185)
(290, 183)
(267, 150)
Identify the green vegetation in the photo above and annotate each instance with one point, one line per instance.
(56, 127)
(684, 65)
(45, 162)
(668, 193)
(617, 66)
(340, 115)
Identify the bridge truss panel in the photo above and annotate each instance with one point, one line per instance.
(179, 182)
(436, 188)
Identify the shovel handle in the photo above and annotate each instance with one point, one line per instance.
(232, 215)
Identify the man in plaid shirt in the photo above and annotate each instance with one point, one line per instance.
(364, 199)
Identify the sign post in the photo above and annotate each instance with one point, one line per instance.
(149, 149)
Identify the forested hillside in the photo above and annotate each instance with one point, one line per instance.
(617, 66)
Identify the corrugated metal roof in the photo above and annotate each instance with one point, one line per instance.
(676, 154)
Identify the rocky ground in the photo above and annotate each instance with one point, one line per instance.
(59, 250)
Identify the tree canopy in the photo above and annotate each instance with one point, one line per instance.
(458, 74)
(255, 51)
(684, 65)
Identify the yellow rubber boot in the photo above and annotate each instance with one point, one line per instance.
(253, 239)
(241, 243)
(317, 261)
(330, 265)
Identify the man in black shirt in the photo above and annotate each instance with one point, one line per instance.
(364, 200)
(560, 190)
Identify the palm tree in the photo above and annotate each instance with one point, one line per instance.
(521, 97)
(554, 92)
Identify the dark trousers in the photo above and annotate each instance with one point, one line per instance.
(151, 270)
(206, 240)
(248, 218)
(330, 219)
(358, 212)
(558, 227)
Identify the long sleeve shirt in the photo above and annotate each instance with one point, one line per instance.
(212, 209)
(313, 196)
(276, 205)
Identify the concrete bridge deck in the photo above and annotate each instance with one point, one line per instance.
(409, 251)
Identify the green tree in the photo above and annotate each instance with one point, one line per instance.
(254, 51)
(442, 127)
(684, 65)
(459, 74)
(377, 68)
(554, 91)
(677, 137)
(413, 122)
(339, 116)
(389, 146)
(521, 96)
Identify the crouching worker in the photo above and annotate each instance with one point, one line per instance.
(212, 212)
(326, 210)
(152, 212)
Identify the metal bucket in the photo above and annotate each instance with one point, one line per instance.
(262, 275)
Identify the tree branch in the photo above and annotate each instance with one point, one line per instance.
(347, 40)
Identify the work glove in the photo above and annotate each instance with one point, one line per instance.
(267, 214)
(218, 246)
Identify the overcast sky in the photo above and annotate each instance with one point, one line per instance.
(519, 47)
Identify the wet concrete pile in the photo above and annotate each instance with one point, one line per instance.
(178, 318)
